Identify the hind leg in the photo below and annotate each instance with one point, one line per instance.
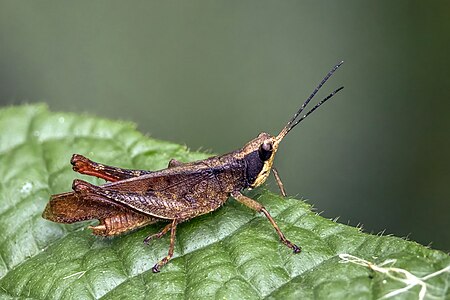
(86, 166)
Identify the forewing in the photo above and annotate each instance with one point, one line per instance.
(182, 193)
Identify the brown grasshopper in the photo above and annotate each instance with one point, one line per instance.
(135, 198)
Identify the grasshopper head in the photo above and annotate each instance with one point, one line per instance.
(260, 152)
(258, 155)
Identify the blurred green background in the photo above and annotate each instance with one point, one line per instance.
(213, 74)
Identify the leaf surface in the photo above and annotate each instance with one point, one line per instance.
(229, 254)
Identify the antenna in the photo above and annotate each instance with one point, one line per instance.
(293, 121)
(315, 107)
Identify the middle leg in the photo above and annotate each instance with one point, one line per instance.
(173, 230)
(159, 234)
(249, 202)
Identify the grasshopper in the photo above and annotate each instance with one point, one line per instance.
(182, 191)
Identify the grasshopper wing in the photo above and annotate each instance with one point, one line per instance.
(177, 193)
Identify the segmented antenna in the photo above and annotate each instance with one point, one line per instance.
(292, 122)
(316, 107)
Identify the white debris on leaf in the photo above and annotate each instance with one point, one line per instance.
(77, 274)
(26, 188)
(397, 274)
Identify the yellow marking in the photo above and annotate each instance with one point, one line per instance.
(265, 172)
(262, 176)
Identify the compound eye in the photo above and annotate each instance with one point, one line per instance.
(265, 150)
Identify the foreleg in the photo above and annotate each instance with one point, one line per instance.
(278, 180)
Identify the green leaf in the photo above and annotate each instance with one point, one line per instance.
(231, 253)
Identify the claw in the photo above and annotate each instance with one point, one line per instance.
(155, 268)
(148, 239)
(296, 248)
